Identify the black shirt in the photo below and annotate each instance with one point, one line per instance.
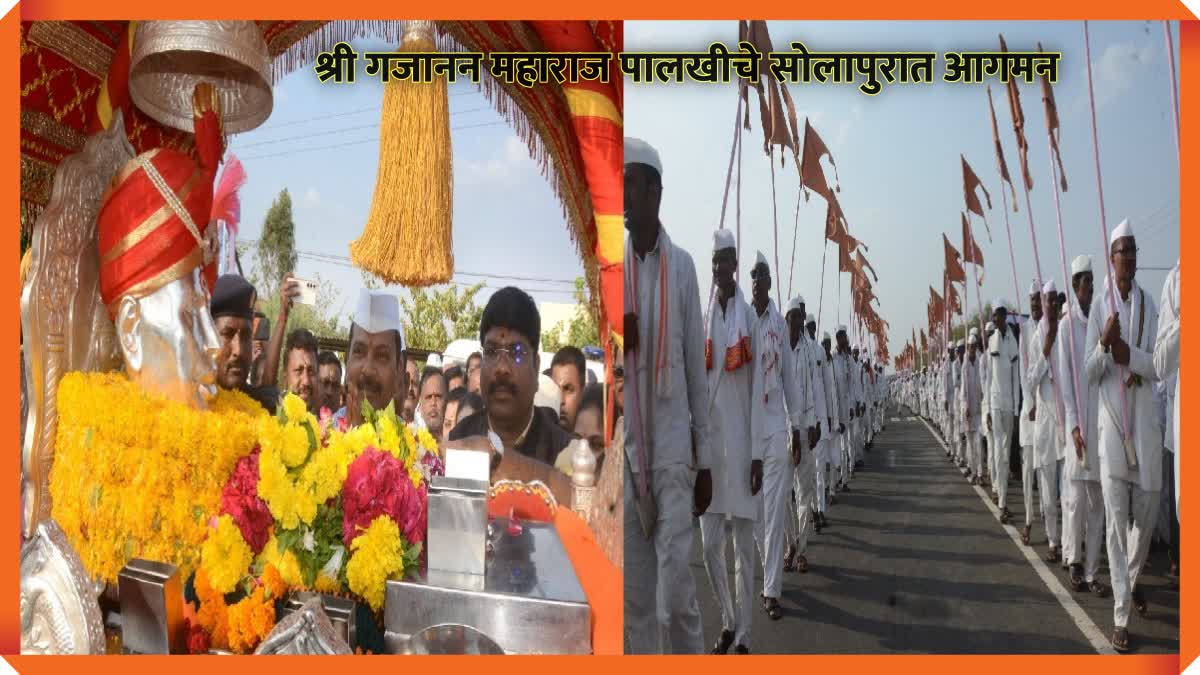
(266, 396)
(545, 439)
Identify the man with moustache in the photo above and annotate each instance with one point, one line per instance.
(1120, 360)
(300, 368)
(431, 399)
(329, 372)
(377, 357)
(738, 476)
(232, 308)
(667, 437)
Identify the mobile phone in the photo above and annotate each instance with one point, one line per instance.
(308, 292)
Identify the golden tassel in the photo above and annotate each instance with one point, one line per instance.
(408, 237)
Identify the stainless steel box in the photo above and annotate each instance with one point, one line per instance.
(530, 601)
(457, 534)
(152, 608)
(339, 610)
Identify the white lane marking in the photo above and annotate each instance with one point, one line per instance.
(1082, 621)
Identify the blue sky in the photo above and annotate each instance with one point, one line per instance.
(321, 144)
(897, 157)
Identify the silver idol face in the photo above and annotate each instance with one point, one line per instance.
(169, 341)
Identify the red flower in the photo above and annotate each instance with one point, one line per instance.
(198, 640)
(240, 500)
(377, 484)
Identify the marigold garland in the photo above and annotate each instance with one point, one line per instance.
(225, 555)
(377, 557)
(138, 475)
(250, 621)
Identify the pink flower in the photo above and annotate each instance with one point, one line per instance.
(240, 500)
(377, 484)
(343, 424)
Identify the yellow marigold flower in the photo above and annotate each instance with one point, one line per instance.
(273, 582)
(327, 584)
(427, 441)
(295, 408)
(294, 445)
(389, 437)
(376, 557)
(250, 620)
(226, 556)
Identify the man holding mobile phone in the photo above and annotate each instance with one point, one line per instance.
(289, 290)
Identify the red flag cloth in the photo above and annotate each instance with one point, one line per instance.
(971, 252)
(971, 182)
(864, 264)
(1052, 125)
(954, 270)
(812, 176)
(1004, 176)
(924, 342)
(1018, 118)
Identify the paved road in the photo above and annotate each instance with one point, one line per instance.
(914, 561)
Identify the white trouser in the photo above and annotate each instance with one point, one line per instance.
(822, 472)
(974, 452)
(1085, 522)
(1002, 427)
(712, 535)
(844, 465)
(662, 618)
(1130, 513)
(1048, 493)
(1066, 488)
(1027, 478)
(804, 483)
(770, 530)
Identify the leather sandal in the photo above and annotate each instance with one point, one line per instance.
(774, 611)
(1099, 589)
(1025, 531)
(1120, 639)
(1139, 603)
(802, 564)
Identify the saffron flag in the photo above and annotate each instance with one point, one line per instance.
(1052, 125)
(1004, 176)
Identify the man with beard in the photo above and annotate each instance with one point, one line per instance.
(329, 372)
(738, 476)
(1119, 349)
(431, 399)
(1085, 501)
(377, 357)
(300, 368)
(232, 308)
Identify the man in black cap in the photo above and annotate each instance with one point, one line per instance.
(232, 308)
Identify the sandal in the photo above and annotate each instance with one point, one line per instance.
(1004, 516)
(1052, 556)
(1099, 589)
(1139, 603)
(802, 564)
(1076, 578)
(724, 642)
(774, 611)
(1025, 534)
(788, 565)
(1120, 640)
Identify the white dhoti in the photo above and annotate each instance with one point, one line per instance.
(1130, 512)
(712, 533)
(1085, 520)
(1048, 493)
(1027, 478)
(804, 485)
(973, 443)
(662, 615)
(1002, 427)
(821, 473)
(1066, 496)
(844, 454)
(770, 530)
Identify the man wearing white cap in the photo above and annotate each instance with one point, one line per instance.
(947, 380)
(970, 406)
(830, 447)
(738, 467)
(1048, 434)
(985, 375)
(1085, 502)
(1004, 385)
(668, 475)
(1166, 364)
(842, 370)
(802, 506)
(821, 407)
(1120, 350)
(781, 407)
(1028, 408)
(857, 425)
(376, 359)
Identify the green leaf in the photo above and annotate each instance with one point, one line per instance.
(312, 441)
(198, 513)
(87, 437)
(97, 494)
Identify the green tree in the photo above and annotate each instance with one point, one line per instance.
(433, 319)
(276, 254)
(581, 330)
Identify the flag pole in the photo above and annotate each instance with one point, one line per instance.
(1174, 92)
(1130, 456)
(1062, 253)
(775, 220)
(821, 297)
(1012, 258)
(795, 236)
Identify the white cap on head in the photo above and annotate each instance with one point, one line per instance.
(434, 360)
(761, 259)
(825, 336)
(638, 151)
(723, 239)
(1033, 287)
(794, 304)
(379, 311)
(990, 326)
(1081, 264)
(548, 394)
(841, 328)
(999, 303)
(853, 348)
(810, 318)
(1049, 287)
(1123, 229)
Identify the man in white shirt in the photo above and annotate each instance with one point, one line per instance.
(781, 407)
(804, 443)
(667, 433)
(1081, 405)
(1166, 364)
(830, 443)
(949, 430)
(738, 472)
(1120, 350)
(1048, 431)
(1028, 408)
(822, 403)
(970, 405)
(858, 427)
(1003, 359)
(842, 376)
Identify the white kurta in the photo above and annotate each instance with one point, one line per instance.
(1048, 436)
(730, 396)
(1166, 362)
(1086, 420)
(1025, 430)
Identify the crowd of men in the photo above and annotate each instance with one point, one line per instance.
(498, 400)
(739, 417)
(1092, 395)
